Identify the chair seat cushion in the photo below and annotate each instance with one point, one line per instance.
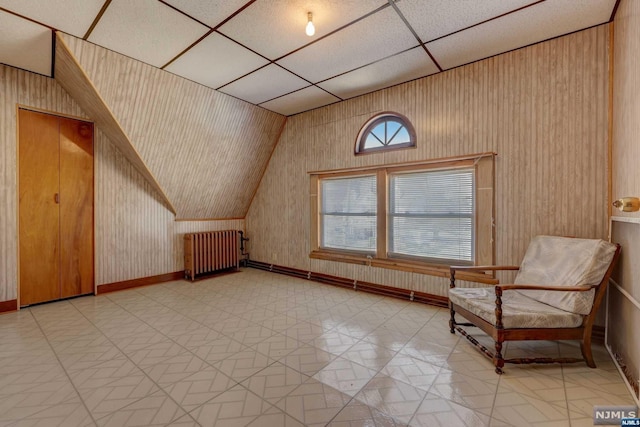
(518, 310)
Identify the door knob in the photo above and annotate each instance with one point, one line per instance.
(56, 198)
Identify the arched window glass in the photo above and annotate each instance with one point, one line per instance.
(386, 131)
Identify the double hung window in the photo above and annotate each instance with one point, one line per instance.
(419, 217)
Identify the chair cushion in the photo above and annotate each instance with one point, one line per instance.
(565, 261)
(518, 311)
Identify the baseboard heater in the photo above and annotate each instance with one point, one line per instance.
(357, 285)
(209, 252)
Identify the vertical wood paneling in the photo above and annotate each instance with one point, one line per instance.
(624, 336)
(136, 234)
(543, 109)
(206, 149)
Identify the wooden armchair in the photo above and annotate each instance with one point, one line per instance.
(555, 296)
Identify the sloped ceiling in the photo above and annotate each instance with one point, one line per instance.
(206, 150)
(257, 50)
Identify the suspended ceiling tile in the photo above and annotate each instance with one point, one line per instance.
(378, 36)
(210, 12)
(71, 16)
(435, 18)
(543, 21)
(146, 30)
(25, 44)
(276, 27)
(305, 99)
(397, 69)
(265, 84)
(215, 61)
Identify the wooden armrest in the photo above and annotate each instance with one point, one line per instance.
(483, 267)
(547, 288)
(474, 268)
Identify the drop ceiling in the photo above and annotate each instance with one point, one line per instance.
(258, 50)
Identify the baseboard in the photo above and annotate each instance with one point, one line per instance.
(143, 281)
(7, 306)
(597, 334)
(356, 285)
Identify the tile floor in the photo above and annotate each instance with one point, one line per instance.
(262, 349)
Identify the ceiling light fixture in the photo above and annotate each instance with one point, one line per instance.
(310, 29)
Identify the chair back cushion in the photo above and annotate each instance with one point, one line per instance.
(565, 261)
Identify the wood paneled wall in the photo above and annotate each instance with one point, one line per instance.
(543, 109)
(135, 234)
(624, 336)
(207, 150)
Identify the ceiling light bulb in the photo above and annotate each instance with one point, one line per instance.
(310, 30)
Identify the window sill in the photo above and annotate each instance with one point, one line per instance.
(404, 265)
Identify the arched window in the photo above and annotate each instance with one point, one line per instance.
(386, 131)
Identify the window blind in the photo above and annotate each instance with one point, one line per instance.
(348, 213)
(431, 215)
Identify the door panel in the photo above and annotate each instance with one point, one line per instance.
(39, 212)
(76, 207)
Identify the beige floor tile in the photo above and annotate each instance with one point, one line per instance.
(395, 398)
(156, 353)
(274, 382)
(307, 359)
(232, 324)
(155, 410)
(280, 322)
(32, 394)
(345, 376)
(436, 411)
(412, 371)
(252, 334)
(357, 414)
(370, 355)
(467, 391)
(235, 407)
(313, 403)
(189, 380)
(392, 340)
(148, 356)
(66, 414)
(184, 421)
(277, 346)
(334, 342)
(427, 351)
(243, 364)
(218, 349)
(357, 329)
(275, 417)
(304, 331)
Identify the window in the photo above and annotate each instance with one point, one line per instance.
(431, 215)
(419, 217)
(387, 131)
(348, 213)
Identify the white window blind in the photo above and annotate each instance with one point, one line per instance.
(431, 215)
(348, 213)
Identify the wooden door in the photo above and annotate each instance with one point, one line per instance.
(39, 213)
(56, 207)
(76, 207)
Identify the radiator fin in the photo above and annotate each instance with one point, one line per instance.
(210, 251)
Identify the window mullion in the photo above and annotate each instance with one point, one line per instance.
(382, 199)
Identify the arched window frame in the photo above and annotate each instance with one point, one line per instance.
(374, 122)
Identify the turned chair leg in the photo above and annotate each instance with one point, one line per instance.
(498, 360)
(452, 320)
